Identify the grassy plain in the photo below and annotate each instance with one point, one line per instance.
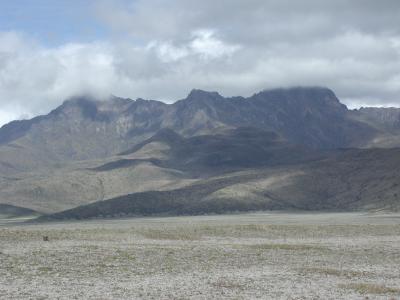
(244, 256)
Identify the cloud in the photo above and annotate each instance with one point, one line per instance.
(161, 49)
(252, 20)
(34, 79)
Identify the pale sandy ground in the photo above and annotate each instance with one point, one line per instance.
(248, 256)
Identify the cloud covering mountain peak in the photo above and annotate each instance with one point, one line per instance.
(161, 49)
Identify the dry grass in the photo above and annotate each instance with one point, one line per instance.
(214, 257)
(197, 232)
(288, 247)
(224, 283)
(370, 288)
(335, 272)
(170, 234)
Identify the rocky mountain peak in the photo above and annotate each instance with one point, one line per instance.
(388, 117)
(91, 108)
(196, 95)
(303, 95)
(311, 116)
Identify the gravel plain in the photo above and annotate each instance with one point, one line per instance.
(244, 256)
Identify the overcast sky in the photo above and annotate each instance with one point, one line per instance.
(161, 49)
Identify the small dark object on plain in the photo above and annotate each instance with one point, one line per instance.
(45, 238)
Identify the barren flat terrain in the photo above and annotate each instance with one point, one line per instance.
(247, 256)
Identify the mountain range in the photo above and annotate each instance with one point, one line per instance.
(295, 148)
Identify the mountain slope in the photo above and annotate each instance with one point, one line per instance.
(84, 128)
(88, 150)
(228, 150)
(162, 162)
(345, 182)
(11, 211)
(386, 120)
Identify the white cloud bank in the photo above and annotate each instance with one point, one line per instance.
(234, 47)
